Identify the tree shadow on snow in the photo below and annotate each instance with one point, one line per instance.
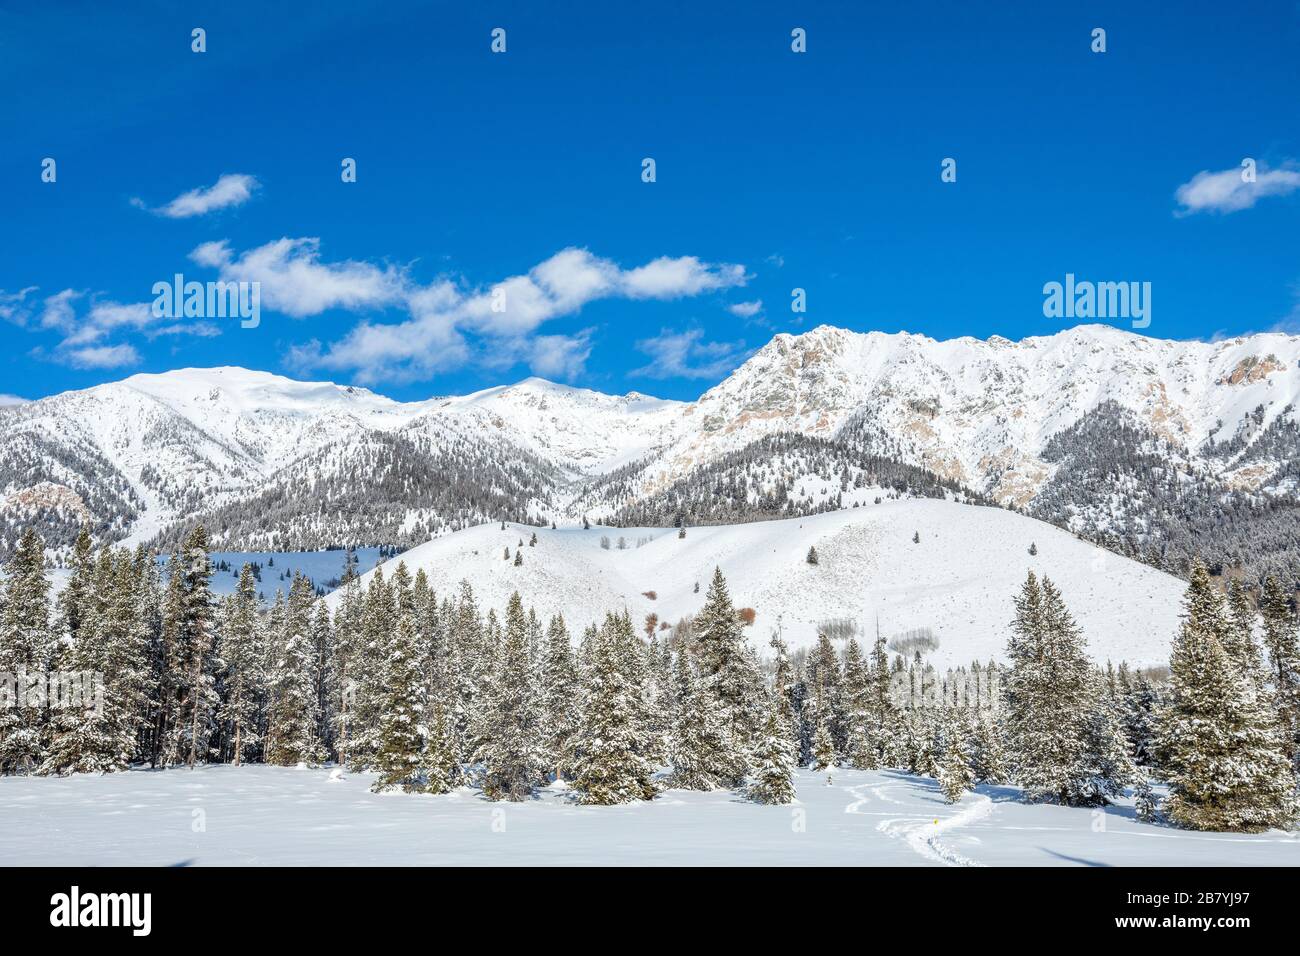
(1074, 859)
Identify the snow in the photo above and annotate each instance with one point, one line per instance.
(275, 816)
(960, 580)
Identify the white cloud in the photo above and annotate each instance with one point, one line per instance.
(294, 280)
(685, 355)
(81, 338)
(746, 310)
(7, 400)
(14, 307)
(231, 189)
(101, 356)
(505, 317)
(666, 278)
(1226, 192)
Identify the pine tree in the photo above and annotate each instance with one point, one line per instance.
(1062, 747)
(1280, 640)
(245, 676)
(772, 779)
(955, 774)
(107, 660)
(1221, 747)
(860, 739)
(559, 697)
(294, 703)
(699, 749)
(25, 651)
(400, 745)
(511, 754)
(729, 675)
(822, 747)
(987, 759)
(812, 556)
(611, 769)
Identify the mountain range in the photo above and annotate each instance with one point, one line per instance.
(1155, 448)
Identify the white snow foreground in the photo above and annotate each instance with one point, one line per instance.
(258, 815)
(959, 580)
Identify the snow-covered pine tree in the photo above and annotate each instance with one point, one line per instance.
(343, 663)
(1281, 642)
(559, 697)
(1057, 741)
(76, 596)
(96, 732)
(511, 753)
(440, 765)
(698, 748)
(611, 769)
(772, 777)
(1220, 745)
(190, 639)
(322, 641)
(823, 748)
(955, 774)
(245, 675)
(861, 748)
(784, 689)
(987, 758)
(728, 674)
(292, 681)
(25, 649)
(369, 662)
(400, 743)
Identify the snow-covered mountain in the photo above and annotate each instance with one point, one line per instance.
(269, 461)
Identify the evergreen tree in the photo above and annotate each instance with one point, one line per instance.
(860, 739)
(25, 651)
(96, 731)
(823, 748)
(294, 736)
(400, 746)
(699, 750)
(987, 758)
(1280, 640)
(245, 676)
(955, 775)
(729, 675)
(611, 769)
(772, 779)
(511, 754)
(559, 697)
(1221, 747)
(1063, 750)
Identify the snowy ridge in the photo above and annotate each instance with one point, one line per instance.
(153, 450)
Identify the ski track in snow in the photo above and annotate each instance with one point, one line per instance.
(922, 834)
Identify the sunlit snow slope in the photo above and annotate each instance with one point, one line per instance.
(959, 580)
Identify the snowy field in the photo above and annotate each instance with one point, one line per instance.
(960, 579)
(257, 815)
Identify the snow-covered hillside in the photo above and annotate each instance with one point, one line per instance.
(959, 580)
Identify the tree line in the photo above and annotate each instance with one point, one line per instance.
(429, 692)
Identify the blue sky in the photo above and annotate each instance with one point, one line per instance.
(522, 171)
